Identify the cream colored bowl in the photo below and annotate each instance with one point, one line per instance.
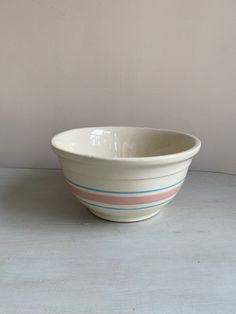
(125, 173)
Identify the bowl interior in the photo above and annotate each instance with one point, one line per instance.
(122, 142)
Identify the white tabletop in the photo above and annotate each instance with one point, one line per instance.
(57, 258)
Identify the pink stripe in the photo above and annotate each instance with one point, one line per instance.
(123, 200)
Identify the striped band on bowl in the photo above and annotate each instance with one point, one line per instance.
(124, 208)
(85, 187)
(127, 199)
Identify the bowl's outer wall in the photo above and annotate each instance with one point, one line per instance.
(123, 192)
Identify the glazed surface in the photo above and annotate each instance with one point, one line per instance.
(123, 142)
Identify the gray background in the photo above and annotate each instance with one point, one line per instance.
(165, 64)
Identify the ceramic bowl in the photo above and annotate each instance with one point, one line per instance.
(125, 173)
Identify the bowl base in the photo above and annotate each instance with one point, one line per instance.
(123, 219)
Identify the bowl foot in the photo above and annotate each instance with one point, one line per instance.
(121, 218)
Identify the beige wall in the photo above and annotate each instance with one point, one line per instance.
(158, 63)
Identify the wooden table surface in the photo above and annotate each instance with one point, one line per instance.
(57, 258)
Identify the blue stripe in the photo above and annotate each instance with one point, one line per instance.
(117, 208)
(115, 192)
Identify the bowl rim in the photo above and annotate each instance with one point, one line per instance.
(168, 158)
